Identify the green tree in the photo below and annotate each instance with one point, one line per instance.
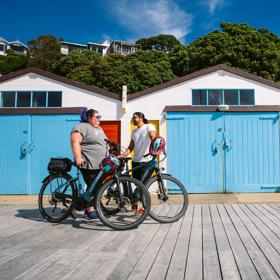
(44, 51)
(138, 71)
(81, 74)
(12, 62)
(237, 45)
(162, 42)
(76, 58)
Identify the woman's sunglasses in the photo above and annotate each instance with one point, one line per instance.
(97, 117)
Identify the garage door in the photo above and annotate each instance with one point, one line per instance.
(30, 141)
(224, 152)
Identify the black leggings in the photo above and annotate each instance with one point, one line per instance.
(89, 175)
(143, 173)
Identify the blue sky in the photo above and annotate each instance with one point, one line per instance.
(96, 20)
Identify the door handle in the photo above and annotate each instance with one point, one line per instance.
(215, 147)
(227, 144)
(23, 150)
(31, 147)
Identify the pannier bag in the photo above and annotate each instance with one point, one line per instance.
(59, 165)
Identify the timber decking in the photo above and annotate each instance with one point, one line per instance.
(223, 241)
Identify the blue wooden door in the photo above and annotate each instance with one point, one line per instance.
(195, 151)
(251, 146)
(50, 138)
(14, 156)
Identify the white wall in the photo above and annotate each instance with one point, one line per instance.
(71, 96)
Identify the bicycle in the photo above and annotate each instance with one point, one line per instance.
(60, 195)
(169, 197)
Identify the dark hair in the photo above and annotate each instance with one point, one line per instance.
(86, 114)
(141, 116)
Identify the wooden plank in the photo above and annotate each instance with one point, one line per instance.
(227, 261)
(194, 268)
(268, 214)
(143, 237)
(245, 266)
(70, 259)
(275, 207)
(19, 239)
(143, 266)
(178, 262)
(9, 255)
(250, 237)
(267, 235)
(264, 219)
(91, 263)
(273, 213)
(86, 260)
(116, 258)
(162, 261)
(211, 263)
(23, 262)
(16, 227)
(41, 266)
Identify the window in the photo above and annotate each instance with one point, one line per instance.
(247, 97)
(199, 97)
(27, 99)
(214, 97)
(8, 99)
(24, 99)
(2, 48)
(17, 48)
(39, 99)
(54, 99)
(231, 96)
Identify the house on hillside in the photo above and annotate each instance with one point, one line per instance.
(16, 46)
(103, 48)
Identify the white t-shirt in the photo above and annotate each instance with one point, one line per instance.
(142, 141)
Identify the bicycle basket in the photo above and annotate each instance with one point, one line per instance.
(59, 165)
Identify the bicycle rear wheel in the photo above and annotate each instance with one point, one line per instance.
(126, 212)
(168, 203)
(56, 196)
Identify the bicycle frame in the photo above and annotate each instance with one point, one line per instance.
(152, 166)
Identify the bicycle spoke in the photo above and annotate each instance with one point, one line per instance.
(168, 205)
(124, 211)
(56, 196)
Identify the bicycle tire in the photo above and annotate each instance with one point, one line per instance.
(105, 205)
(125, 218)
(55, 206)
(162, 209)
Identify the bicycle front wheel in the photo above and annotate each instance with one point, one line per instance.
(56, 196)
(127, 211)
(169, 198)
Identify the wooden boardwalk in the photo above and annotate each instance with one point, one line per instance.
(231, 241)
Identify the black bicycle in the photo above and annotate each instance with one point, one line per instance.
(61, 194)
(169, 197)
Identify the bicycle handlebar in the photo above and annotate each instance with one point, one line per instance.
(109, 142)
